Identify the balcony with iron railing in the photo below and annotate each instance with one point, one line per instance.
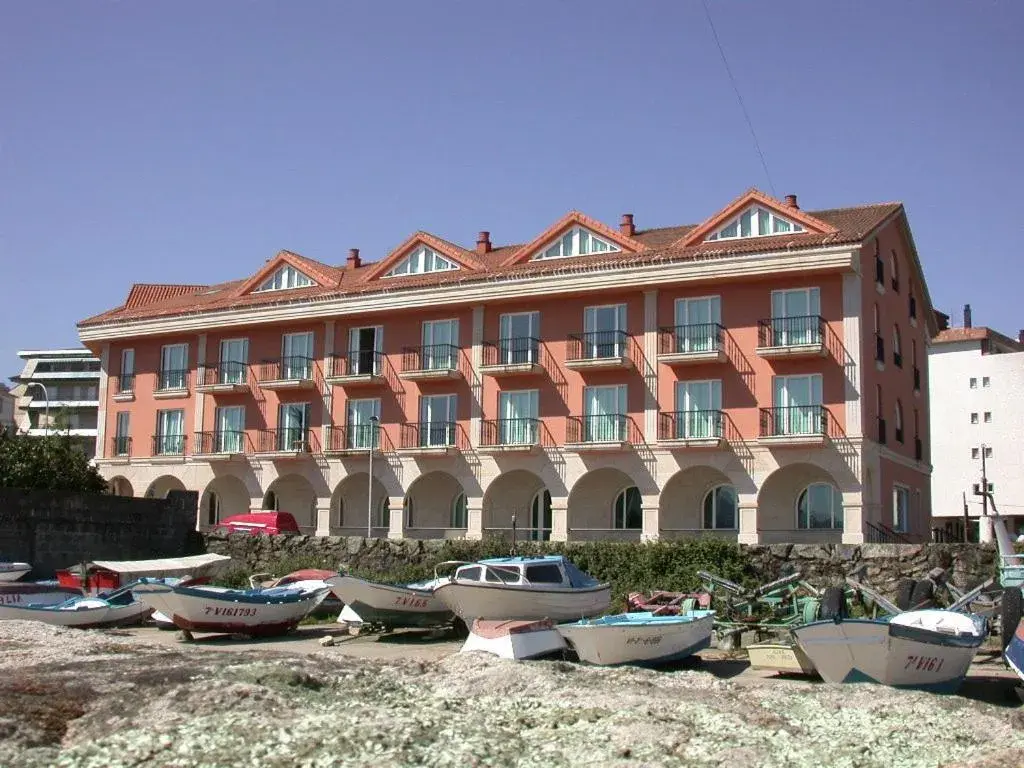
(224, 377)
(695, 343)
(514, 436)
(432, 437)
(292, 372)
(599, 350)
(601, 432)
(172, 383)
(356, 439)
(169, 445)
(691, 429)
(123, 387)
(799, 425)
(880, 533)
(431, 362)
(802, 336)
(287, 442)
(121, 447)
(359, 367)
(222, 444)
(515, 356)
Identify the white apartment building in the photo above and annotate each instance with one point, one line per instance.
(58, 388)
(977, 377)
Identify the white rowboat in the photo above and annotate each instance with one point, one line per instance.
(81, 612)
(391, 605)
(640, 638)
(514, 639)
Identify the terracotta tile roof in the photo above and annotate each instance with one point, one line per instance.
(150, 293)
(981, 333)
(662, 244)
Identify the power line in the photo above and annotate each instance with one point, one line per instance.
(750, 124)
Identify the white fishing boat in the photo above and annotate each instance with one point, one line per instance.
(13, 571)
(81, 612)
(925, 650)
(522, 588)
(516, 640)
(390, 605)
(263, 612)
(640, 638)
(36, 593)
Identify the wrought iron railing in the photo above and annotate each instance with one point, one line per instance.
(691, 425)
(291, 368)
(696, 338)
(433, 357)
(880, 533)
(222, 441)
(603, 428)
(498, 432)
(358, 362)
(432, 434)
(171, 379)
(354, 437)
(790, 331)
(519, 350)
(121, 445)
(794, 421)
(169, 445)
(598, 345)
(288, 440)
(225, 372)
(124, 384)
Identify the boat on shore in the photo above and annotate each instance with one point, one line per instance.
(36, 593)
(82, 612)
(13, 571)
(641, 638)
(101, 575)
(516, 640)
(258, 613)
(928, 650)
(1014, 652)
(390, 605)
(522, 588)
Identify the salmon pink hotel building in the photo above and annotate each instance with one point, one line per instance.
(759, 377)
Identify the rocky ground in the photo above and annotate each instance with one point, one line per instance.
(108, 699)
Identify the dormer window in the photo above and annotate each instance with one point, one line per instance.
(420, 262)
(286, 278)
(577, 242)
(756, 222)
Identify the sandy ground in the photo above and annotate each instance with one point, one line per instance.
(140, 697)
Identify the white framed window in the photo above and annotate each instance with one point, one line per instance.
(974, 453)
(519, 338)
(972, 383)
(170, 432)
(285, 278)
(756, 222)
(985, 381)
(697, 322)
(628, 512)
(297, 355)
(721, 508)
(797, 402)
(974, 418)
(173, 366)
(437, 420)
(122, 434)
(422, 261)
(440, 345)
(518, 416)
(604, 331)
(363, 431)
(900, 508)
(988, 417)
(820, 505)
(796, 317)
(604, 414)
(365, 346)
(988, 452)
(234, 356)
(991, 488)
(578, 241)
(229, 434)
(127, 362)
(293, 424)
(698, 409)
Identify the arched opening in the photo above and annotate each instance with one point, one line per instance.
(293, 494)
(790, 506)
(431, 499)
(683, 505)
(163, 485)
(119, 486)
(409, 512)
(223, 497)
(521, 494)
(605, 503)
(351, 507)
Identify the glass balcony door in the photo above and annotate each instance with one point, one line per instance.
(292, 425)
(518, 423)
(697, 322)
(437, 420)
(230, 421)
(518, 338)
(797, 402)
(170, 432)
(362, 430)
(795, 317)
(604, 329)
(234, 355)
(604, 414)
(173, 366)
(297, 356)
(440, 340)
(698, 404)
(364, 347)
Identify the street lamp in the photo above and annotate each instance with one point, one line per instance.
(46, 401)
(374, 426)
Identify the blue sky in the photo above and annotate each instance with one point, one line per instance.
(190, 141)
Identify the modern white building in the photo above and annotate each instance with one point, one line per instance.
(58, 389)
(975, 386)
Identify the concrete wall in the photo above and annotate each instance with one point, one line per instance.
(54, 530)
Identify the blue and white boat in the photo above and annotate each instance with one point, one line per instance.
(1014, 652)
(640, 638)
(115, 610)
(928, 650)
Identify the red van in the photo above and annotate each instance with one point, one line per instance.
(255, 523)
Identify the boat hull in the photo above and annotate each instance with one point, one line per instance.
(199, 609)
(636, 642)
(29, 593)
(13, 571)
(391, 605)
(856, 651)
(516, 640)
(1014, 653)
(88, 613)
(782, 657)
(472, 600)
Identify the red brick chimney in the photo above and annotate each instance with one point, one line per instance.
(791, 202)
(483, 242)
(353, 259)
(626, 226)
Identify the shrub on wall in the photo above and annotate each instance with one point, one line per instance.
(46, 463)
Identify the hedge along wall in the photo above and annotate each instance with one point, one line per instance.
(629, 566)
